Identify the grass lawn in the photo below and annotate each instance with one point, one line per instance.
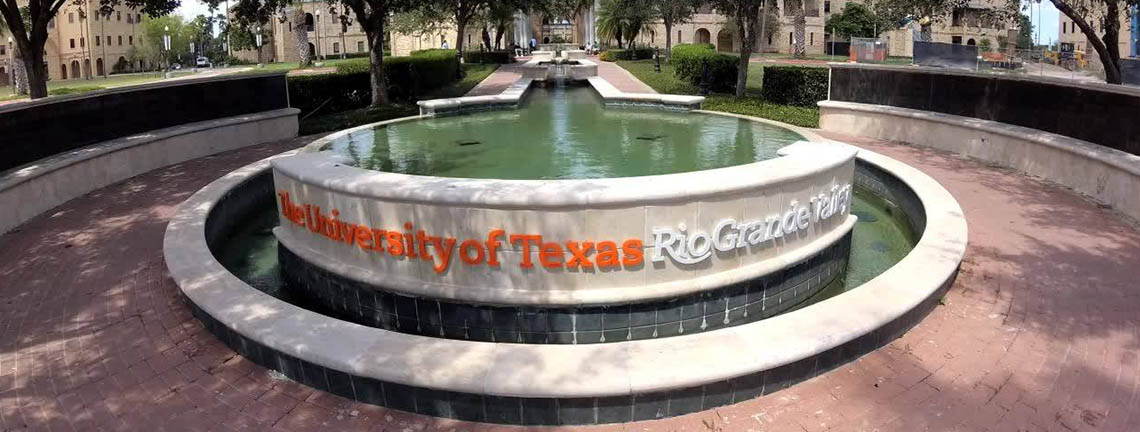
(830, 58)
(285, 67)
(71, 86)
(751, 104)
(356, 117)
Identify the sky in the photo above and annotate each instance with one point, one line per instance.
(1045, 16)
(1045, 21)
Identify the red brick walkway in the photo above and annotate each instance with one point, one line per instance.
(1041, 331)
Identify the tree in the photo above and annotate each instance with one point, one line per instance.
(673, 12)
(926, 12)
(1086, 15)
(746, 14)
(624, 19)
(150, 46)
(371, 14)
(1024, 32)
(799, 23)
(19, 74)
(31, 34)
(856, 20)
(300, 29)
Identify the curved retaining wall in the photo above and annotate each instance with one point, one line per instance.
(1101, 114)
(42, 128)
(1109, 176)
(556, 243)
(545, 384)
(35, 188)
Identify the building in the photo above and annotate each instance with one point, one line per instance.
(85, 45)
(1127, 43)
(965, 26)
(327, 37)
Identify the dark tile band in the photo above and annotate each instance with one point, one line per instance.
(742, 303)
(556, 411)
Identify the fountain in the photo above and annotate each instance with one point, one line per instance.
(571, 261)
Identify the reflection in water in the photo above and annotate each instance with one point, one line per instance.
(564, 133)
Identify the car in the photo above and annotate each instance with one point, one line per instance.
(203, 62)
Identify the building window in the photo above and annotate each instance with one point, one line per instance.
(359, 46)
(118, 16)
(956, 40)
(130, 19)
(336, 47)
(97, 16)
(3, 50)
(130, 40)
(70, 17)
(826, 7)
(120, 41)
(73, 43)
(678, 36)
(108, 40)
(97, 41)
(138, 18)
(811, 38)
(82, 43)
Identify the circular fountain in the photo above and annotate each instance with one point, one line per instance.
(564, 263)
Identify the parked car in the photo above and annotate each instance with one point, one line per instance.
(204, 62)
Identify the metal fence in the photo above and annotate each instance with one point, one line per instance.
(868, 50)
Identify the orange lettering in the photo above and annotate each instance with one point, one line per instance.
(526, 241)
(578, 255)
(378, 239)
(607, 255)
(363, 237)
(395, 243)
(631, 253)
(443, 249)
(493, 246)
(550, 255)
(465, 254)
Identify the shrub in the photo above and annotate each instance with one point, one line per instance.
(350, 87)
(626, 54)
(795, 85)
(688, 62)
(73, 90)
(485, 57)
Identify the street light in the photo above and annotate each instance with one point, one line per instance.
(317, 31)
(166, 47)
(11, 65)
(257, 41)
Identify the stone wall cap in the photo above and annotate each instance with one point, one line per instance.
(547, 371)
(1126, 162)
(29, 171)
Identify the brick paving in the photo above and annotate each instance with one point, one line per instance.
(1040, 332)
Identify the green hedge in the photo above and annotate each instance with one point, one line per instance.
(350, 87)
(626, 54)
(687, 61)
(489, 57)
(795, 85)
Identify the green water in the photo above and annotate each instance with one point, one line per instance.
(880, 239)
(564, 133)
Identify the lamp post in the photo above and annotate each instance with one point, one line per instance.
(343, 27)
(317, 32)
(11, 65)
(257, 42)
(166, 48)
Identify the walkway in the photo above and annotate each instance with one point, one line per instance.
(1039, 333)
(508, 74)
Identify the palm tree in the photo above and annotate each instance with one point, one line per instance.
(798, 23)
(624, 19)
(19, 74)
